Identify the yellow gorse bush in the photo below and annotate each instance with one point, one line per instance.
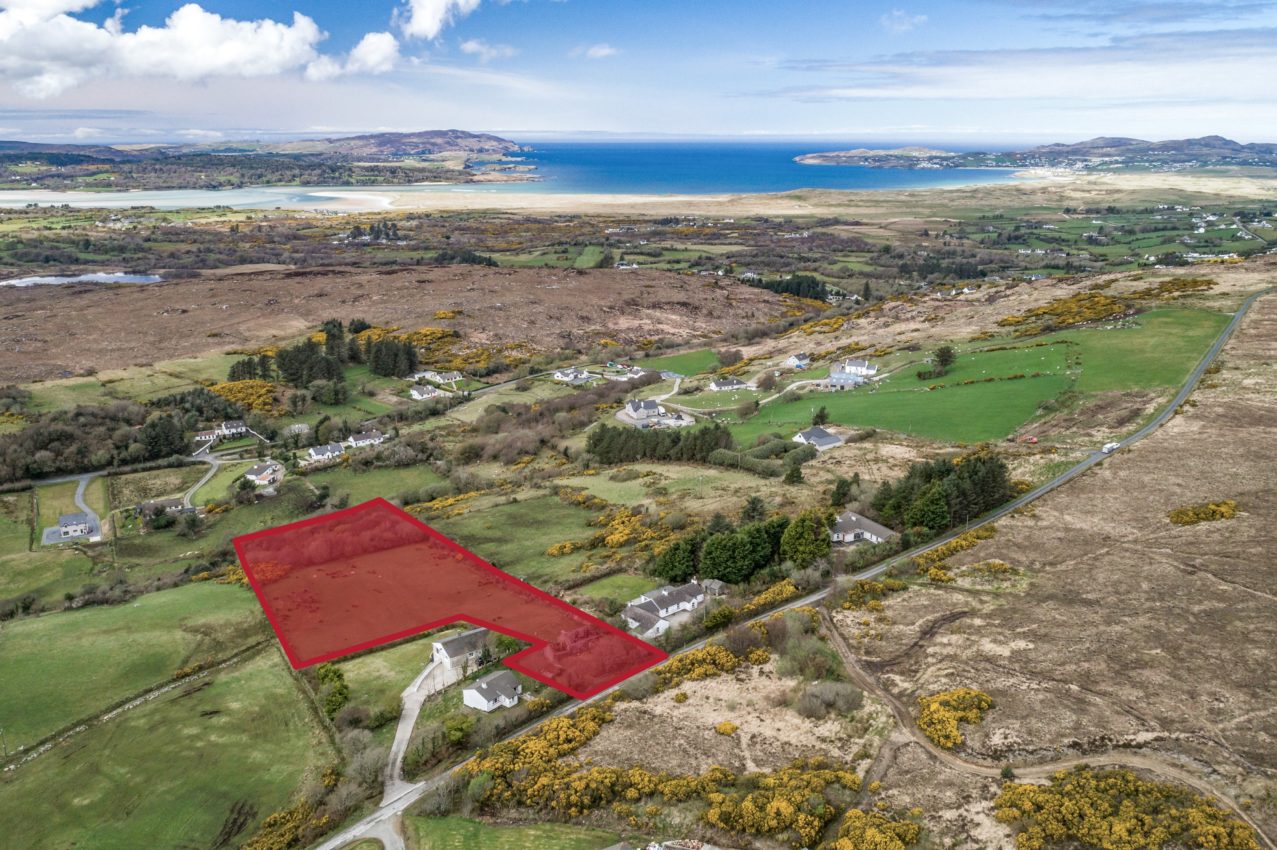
(940, 714)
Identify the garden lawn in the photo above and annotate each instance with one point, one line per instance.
(961, 414)
(54, 501)
(1160, 352)
(219, 486)
(620, 587)
(65, 666)
(386, 483)
(515, 536)
(454, 833)
(171, 772)
(690, 363)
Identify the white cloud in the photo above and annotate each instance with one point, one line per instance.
(900, 21)
(44, 50)
(202, 135)
(601, 50)
(86, 132)
(427, 18)
(1153, 70)
(487, 52)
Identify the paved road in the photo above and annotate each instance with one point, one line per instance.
(214, 464)
(393, 808)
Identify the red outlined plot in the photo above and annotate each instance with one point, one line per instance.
(371, 574)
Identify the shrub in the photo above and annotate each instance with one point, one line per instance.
(1208, 512)
(819, 699)
(940, 714)
(727, 727)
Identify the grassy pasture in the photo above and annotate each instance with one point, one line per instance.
(128, 490)
(15, 524)
(515, 536)
(1160, 352)
(455, 833)
(621, 587)
(688, 363)
(219, 486)
(60, 667)
(172, 772)
(386, 483)
(54, 501)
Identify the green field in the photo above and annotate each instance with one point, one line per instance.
(47, 573)
(621, 587)
(171, 772)
(689, 363)
(219, 486)
(66, 393)
(1160, 352)
(539, 390)
(61, 667)
(384, 482)
(15, 525)
(54, 501)
(971, 414)
(454, 833)
(515, 536)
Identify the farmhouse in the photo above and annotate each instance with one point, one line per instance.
(328, 451)
(851, 527)
(155, 507)
(719, 385)
(75, 525)
(818, 438)
(207, 436)
(651, 614)
(265, 474)
(798, 361)
(297, 429)
(851, 373)
(460, 652)
(232, 428)
(642, 410)
(573, 376)
(366, 438)
(496, 690)
(423, 392)
(436, 376)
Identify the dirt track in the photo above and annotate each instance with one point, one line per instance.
(47, 331)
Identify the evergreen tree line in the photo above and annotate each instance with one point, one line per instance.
(197, 406)
(309, 361)
(87, 438)
(615, 444)
(940, 494)
(391, 357)
(462, 257)
(378, 231)
(802, 285)
(734, 555)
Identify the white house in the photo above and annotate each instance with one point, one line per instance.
(265, 474)
(496, 690)
(649, 615)
(573, 376)
(851, 527)
(232, 428)
(435, 376)
(328, 451)
(851, 373)
(643, 410)
(74, 525)
(818, 438)
(719, 385)
(460, 652)
(423, 392)
(366, 438)
(798, 361)
(207, 436)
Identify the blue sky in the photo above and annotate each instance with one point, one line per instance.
(965, 73)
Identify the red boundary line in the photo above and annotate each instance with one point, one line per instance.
(511, 661)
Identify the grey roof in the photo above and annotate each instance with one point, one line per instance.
(818, 436)
(666, 597)
(647, 620)
(464, 643)
(234, 423)
(713, 585)
(500, 685)
(366, 435)
(727, 382)
(327, 448)
(851, 522)
(73, 519)
(161, 504)
(262, 469)
(643, 404)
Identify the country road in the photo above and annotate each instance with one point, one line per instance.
(375, 824)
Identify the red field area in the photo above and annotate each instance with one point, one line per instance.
(372, 574)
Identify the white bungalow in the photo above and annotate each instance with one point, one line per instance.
(265, 474)
(460, 652)
(326, 452)
(851, 527)
(496, 690)
(818, 438)
(798, 361)
(366, 438)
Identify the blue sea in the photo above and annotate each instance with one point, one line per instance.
(607, 168)
(714, 168)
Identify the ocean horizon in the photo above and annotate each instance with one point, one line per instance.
(579, 168)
